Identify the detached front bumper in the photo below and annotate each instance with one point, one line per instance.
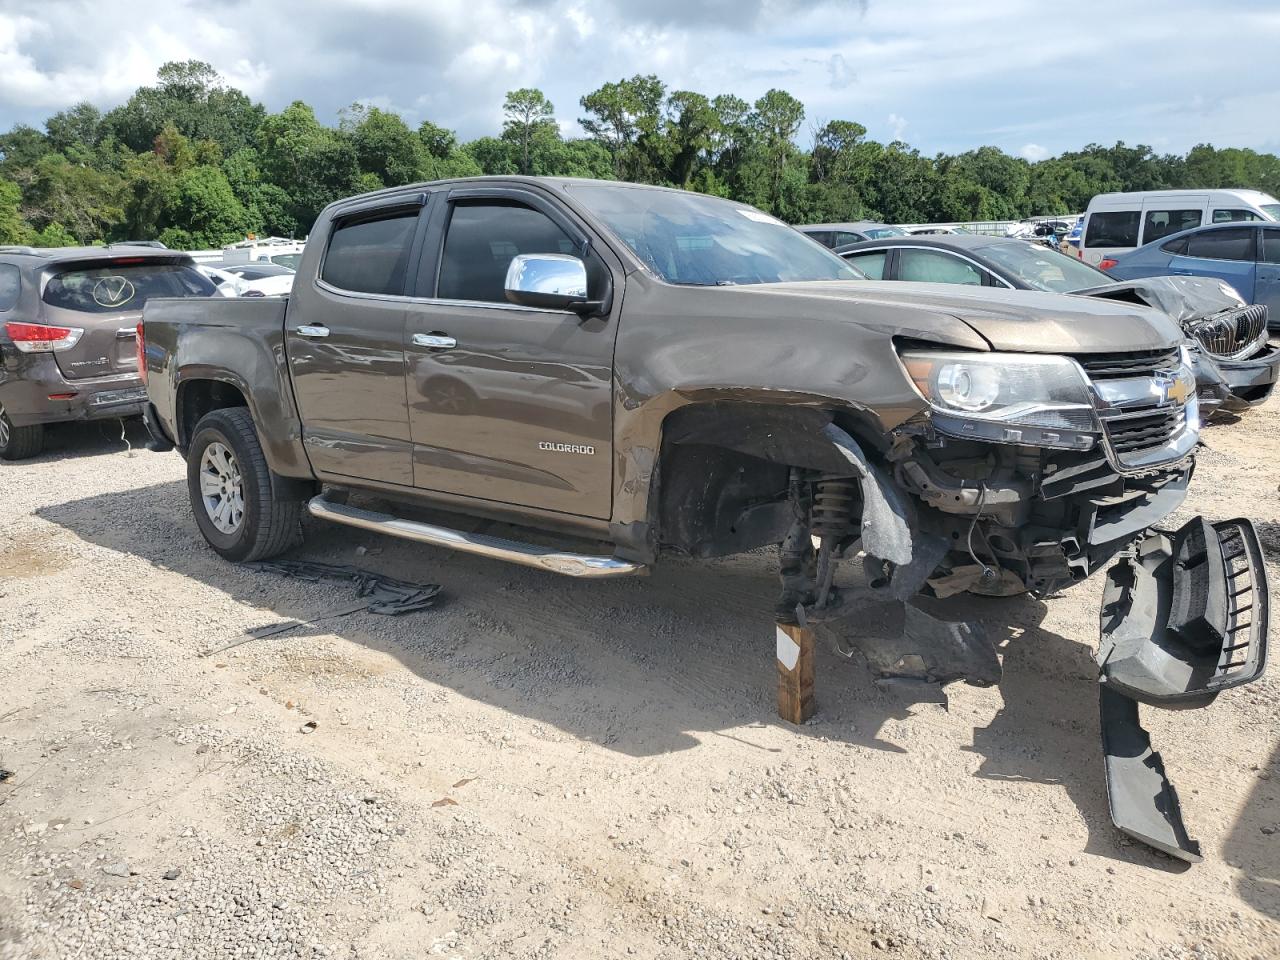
(1184, 616)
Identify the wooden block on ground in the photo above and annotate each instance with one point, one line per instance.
(795, 672)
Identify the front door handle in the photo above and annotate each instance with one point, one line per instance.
(311, 330)
(435, 341)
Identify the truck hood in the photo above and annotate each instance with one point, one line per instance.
(1024, 321)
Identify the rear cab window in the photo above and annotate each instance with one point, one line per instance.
(370, 253)
(122, 287)
(1113, 228)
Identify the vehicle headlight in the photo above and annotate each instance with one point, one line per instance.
(1048, 393)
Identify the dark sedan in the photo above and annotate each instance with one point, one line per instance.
(1231, 333)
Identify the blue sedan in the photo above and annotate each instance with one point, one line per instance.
(1245, 255)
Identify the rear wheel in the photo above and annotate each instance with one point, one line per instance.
(18, 443)
(231, 491)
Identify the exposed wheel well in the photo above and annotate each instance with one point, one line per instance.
(196, 398)
(725, 466)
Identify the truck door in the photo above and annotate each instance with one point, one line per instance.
(345, 340)
(508, 403)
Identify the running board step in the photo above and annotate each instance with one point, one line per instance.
(525, 554)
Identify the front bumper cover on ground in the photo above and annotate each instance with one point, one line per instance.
(1185, 615)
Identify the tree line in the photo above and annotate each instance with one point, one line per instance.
(196, 163)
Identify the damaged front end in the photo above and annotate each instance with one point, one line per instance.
(1000, 507)
(1236, 364)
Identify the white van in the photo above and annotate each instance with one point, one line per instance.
(1115, 223)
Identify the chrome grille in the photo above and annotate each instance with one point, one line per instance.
(1110, 366)
(1234, 334)
(1139, 432)
(1144, 427)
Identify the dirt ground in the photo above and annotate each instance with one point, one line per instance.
(545, 768)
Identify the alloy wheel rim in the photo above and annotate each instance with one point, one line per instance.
(4, 428)
(222, 488)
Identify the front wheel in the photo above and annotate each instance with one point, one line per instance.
(231, 492)
(18, 443)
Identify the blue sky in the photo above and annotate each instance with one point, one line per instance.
(1029, 76)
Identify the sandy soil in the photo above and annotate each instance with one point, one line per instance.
(544, 768)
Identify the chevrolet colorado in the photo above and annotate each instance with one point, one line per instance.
(655, 370)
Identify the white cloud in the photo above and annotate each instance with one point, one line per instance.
(1033, 152)
(965, 74)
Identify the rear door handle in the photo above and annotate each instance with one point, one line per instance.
(311, 330)
(434, 340)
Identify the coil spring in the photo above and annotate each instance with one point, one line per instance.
(835, 507)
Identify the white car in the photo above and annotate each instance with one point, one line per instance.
(228, 284)
(277, 286)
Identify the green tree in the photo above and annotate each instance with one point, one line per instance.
(87, 203)
(625, 116)
(192, 96)
(529, 121)
(12, 227)
(384, 145)
(206, 209)
(313, 164)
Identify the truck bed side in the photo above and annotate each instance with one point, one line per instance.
(205, 354)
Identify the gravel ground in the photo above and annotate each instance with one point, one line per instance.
(544, 768)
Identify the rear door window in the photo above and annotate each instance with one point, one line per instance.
(1113, 228)
(10, 286)
(1158, 224)
(825, 237)
(871, 263)
(370, 254)
(483, 239)
(844, 236)
(930, 266)
(1233, 243)
(120, 287)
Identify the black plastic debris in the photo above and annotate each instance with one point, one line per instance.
(386, 595)
(6, 774)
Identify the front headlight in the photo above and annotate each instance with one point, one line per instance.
(1044, 392)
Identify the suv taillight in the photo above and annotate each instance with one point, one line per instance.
(1106, 263)
(39, 338)
(140, 348)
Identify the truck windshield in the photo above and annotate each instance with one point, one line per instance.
(117, 287)
(690, 238)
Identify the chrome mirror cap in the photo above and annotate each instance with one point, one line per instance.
(550, 280)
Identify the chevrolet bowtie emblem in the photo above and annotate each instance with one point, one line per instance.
(1175, 389)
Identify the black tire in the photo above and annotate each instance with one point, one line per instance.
(269, 524)
(18, 443)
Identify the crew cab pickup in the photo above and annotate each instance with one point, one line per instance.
(653, 371)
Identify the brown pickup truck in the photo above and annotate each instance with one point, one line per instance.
(651, 370)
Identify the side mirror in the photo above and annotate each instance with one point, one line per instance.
(554, 281)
